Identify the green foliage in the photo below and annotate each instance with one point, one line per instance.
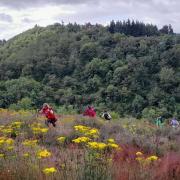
(24, 103)
(91, 64)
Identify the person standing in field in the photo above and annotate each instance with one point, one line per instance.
(174, 123)
(90, 111)
(49, 113)
(106, 115)
(159, 121)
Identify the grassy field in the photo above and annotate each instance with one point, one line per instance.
(80, 148)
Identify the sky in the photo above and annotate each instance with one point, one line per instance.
(17, 16)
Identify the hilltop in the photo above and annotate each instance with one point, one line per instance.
(75, 65)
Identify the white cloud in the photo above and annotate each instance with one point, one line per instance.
(26, 14)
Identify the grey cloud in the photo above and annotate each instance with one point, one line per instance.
(5, 17)
(18, 4)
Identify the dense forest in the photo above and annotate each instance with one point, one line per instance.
(129, 67)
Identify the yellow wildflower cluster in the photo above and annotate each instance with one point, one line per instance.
(43, 154)
(7, 130)
(145, 161)
(26, 155)
(61, 139)
(110, 140)
(87, 131)
(113, 145)
(81, 140)
(16, 124)
(30, 143)
(97, 145)
(1, 155)
(38, 129)
(152, 158)
(50, 170)
(6, 141)
(94, 133)
(81, 128)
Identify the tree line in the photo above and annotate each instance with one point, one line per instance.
(76, 65)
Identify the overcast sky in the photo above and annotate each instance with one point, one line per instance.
(17, 16)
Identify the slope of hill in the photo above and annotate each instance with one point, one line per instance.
(82, 65)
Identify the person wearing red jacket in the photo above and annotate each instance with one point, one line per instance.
(49, 113)
(90, 111)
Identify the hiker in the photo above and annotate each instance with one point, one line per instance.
(159, 121)
(106, 115)
(49, 113)
(90, 111)
(174, 123)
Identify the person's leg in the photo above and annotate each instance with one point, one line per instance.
(46, 122)
(53, 122)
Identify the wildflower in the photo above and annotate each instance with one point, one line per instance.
(92, 133)
(9, 141)
(43, 154)
(38, 130)
(2, 140)
(81, 140)
(30, 143)
(50, 170)
(81, 128)
(97, 145)
(10, 148)
(26, 155)
(152, 158)
(7, 130)
(16, 124)
(139, 153)
(113, 145)
(2, 155)
(61, 139)
(110, 140)
(44, 130)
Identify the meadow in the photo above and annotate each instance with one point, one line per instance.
(81, 148)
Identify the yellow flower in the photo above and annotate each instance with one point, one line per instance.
(110, 140)
(44, 130)
(92, 133)
(26, 155)
(2, 140)
(50, 170)
(9, 141)
(152, 158)
(2, 155)
(139, 153)
(61, 139)
(43, 154)
(97, 145)
(30, 143)
(16, 124)
(39, 130)
(7, 130)
(10, 148)
(81, 140)
(81, 128)
(113, 145)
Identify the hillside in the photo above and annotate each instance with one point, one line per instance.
(79, 65)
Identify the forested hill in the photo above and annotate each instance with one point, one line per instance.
(91, 64)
